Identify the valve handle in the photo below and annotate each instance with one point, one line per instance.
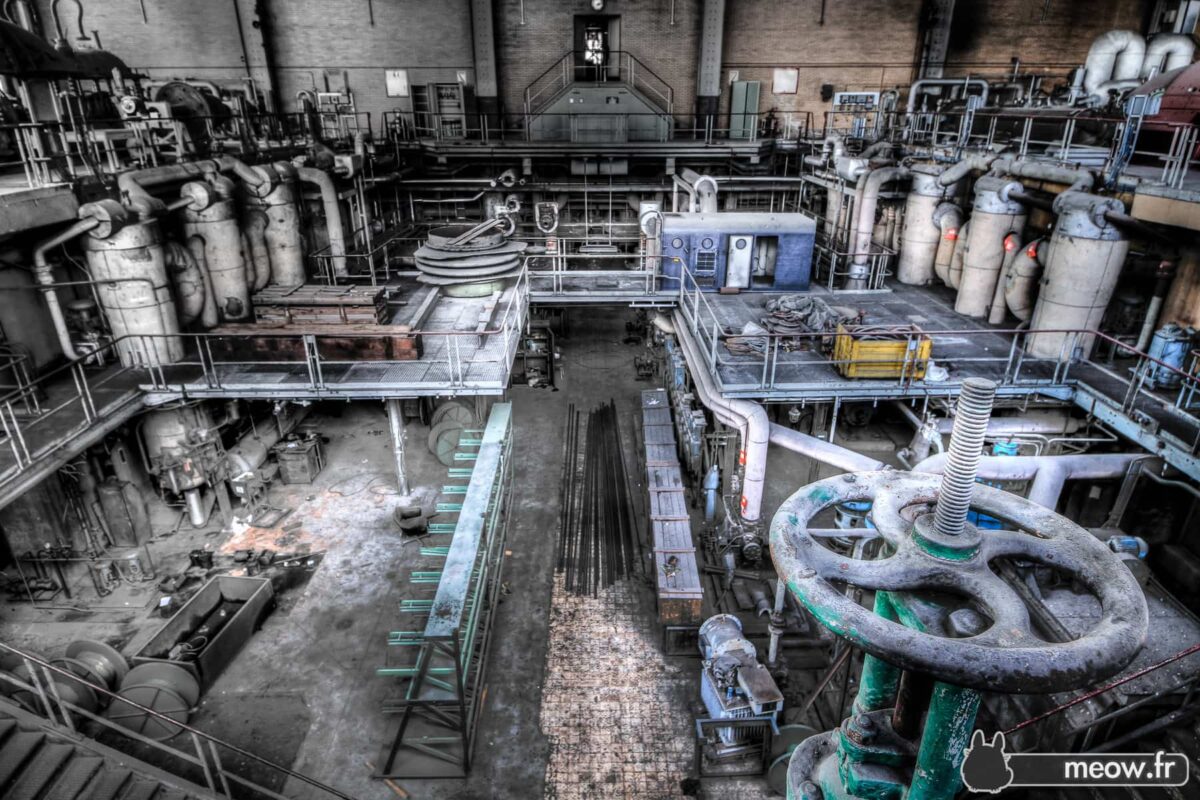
(1008, 655)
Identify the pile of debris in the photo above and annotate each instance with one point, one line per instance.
(794, 316)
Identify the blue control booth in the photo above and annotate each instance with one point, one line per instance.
(738, 250)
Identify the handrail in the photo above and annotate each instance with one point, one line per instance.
(196, 733)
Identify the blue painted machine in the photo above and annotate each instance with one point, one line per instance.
(746, 251)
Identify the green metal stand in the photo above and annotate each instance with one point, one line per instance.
(441, 682)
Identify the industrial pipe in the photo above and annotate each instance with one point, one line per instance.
(948, 218)
(1023, 275)
(748, 417)
(859, 268)
(1178, 48)
(252, 450)
(914, 91)
(333, 215)
(704, 189)
(1162, 285)
(1076, 179)
(1048, 473)
(133, 184)
(44, 276)
(1116, 55)
(955, 270)
(820, 450)
(963, 168)
(1012, 249)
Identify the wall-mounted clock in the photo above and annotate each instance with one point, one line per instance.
(597, 5)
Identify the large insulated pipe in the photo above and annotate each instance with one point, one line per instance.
(190, 294)
(1087, 253)
(1012, 249)
(129, 267)
(133, 184)
(948, 219)
(333, 215)
(283, 241)
(212, 217)
(747, 417)
(994, 216)
(1177, 48)
(1076, 179)
(916, 90)
(958, 255)
(704, 188)
(1048, 473)
(963, 168)
(922, 236)
(1163, 277)
(1116, 55)
(1023, 277)
(252, 450)
(44, 276)
(823, 451)
(860, 268)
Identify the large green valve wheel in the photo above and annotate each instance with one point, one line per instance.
(943, 611)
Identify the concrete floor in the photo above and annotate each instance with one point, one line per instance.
(579, 702)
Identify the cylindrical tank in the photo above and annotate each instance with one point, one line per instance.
(169, 434)
(1170, 345)
(919, 242)
(215, 238)
(1085, 259)
(947, 218)
(284, 244)
(135, 293)
(125, 511)
(993, 217)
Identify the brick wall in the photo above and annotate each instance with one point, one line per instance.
(199, 39)
(991, 34)
(189, 38)
(865, 45)
(526, 50)
(429, 38)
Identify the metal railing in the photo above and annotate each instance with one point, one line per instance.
(205, 758)
(1150, 150)
(61, 403)
(406, 127)
(799, 361)
(834, 261)
(619, 66)
(569, 276)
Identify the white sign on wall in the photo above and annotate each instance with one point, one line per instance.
(786, 80)
(397, 82)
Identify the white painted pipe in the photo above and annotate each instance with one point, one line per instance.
(949, 219)
(1116, 55)
(749, 418)
(820, 450)
(333, 215)
(1023, 278)
(1177, 48)
(1048, 473)
(859, 268)
(45, 278)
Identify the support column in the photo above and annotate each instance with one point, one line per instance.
(395, 414)
(939, 15)
(483, 40)
(708, 71)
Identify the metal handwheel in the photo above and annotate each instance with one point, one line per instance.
(1001, 651)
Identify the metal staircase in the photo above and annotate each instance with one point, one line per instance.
(38, 763)
(565, 72)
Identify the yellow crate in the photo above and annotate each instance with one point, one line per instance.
(881, 351)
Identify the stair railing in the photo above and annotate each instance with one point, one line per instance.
(65, 715)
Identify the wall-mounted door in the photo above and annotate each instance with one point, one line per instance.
(738, 262)
(743, 109)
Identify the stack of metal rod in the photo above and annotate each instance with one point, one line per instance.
(598, 540)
